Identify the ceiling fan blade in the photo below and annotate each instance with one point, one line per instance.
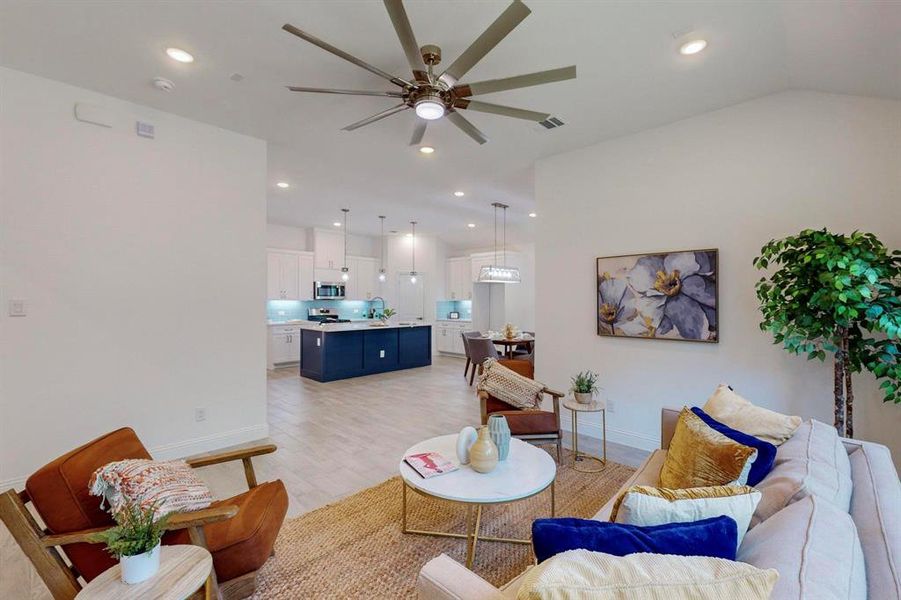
(376, 117)
(401, 22)
(467, 127)
(418, 131)
(516, 82)
(295, 88)
(497, 109)
(503, 25)
(348, 57)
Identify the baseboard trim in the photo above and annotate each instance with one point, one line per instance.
(182, 449)
(614, 434)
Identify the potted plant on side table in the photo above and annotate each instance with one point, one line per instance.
(135, 541)
(584, 386)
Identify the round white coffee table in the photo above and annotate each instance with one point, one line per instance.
(528, 471)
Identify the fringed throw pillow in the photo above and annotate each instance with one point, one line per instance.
(509, 386)
(171, 486)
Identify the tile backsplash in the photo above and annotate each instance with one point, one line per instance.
(443, 307)
(290, 310)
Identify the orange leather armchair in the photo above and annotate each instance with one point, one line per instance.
(239, 532)
(535, 426)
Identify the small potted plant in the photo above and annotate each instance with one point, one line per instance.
(387, 314)
(135, 541)
(585, 386)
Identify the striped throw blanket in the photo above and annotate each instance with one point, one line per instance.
(171, 485)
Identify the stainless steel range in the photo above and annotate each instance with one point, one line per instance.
(324, 315)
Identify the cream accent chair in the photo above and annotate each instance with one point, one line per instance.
(875, 510)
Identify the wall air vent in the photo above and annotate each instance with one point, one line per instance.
(551, 123)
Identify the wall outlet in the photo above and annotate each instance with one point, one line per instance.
(381, 354)
(199, 414)
(282, 313)
(17, 308)
(356, 310)
(611, 406)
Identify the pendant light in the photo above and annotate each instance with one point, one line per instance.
(499, 272)
(383, 275)
(413, 245)
(345, 272)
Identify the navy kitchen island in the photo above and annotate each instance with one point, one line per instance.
(342, 350)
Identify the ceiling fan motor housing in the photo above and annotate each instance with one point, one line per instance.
(431, 54)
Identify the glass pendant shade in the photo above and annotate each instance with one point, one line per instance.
(383, 277)
(345, 273)
(412, 276)
(496, 274)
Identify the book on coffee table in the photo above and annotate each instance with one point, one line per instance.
(430, 464)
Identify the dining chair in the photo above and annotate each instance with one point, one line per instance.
(524, 351)
(480, 350)
(466, 335)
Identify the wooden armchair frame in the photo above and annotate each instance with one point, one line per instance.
(44, 552)
(535, 438)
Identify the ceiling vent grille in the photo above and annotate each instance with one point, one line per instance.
(551, 123)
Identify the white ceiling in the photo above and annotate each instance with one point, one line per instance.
(630, 78)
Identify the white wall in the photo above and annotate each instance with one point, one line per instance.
(143, 266)
(731, 179)
(301, 238)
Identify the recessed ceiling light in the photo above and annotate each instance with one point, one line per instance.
(459, 194)
(426, 149)
(692, 47)
(533, 215)
(470, 225)
(408, 235)
(284, 185)
(337, 223)
(179, 55)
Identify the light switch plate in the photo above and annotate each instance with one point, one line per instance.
(381, 354)
(17, 308)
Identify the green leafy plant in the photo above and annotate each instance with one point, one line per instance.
(585, 383)
(137, 530)
(388, 313)
(839, 295)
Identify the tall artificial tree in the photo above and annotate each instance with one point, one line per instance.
(838, 295)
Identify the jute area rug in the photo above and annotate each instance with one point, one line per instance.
(354, 548)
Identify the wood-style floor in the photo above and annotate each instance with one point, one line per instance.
(334, 439)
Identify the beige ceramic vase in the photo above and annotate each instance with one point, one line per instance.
(483, 453)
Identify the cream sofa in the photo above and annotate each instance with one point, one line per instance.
(875, 510)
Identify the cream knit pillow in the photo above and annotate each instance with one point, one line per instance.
(732, 410)
(509, 386)
(586, 575)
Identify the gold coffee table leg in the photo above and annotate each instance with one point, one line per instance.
(474, 537)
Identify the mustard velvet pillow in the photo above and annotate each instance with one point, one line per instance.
(732, 410)
(700, 456)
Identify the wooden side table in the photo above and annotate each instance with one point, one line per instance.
(183, 570)
(581, 457)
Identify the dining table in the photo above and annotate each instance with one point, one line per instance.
(510, 344)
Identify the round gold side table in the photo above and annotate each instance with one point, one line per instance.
(581, 457)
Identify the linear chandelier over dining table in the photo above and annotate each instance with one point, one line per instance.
(499, 273)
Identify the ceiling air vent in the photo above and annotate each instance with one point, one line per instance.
(551, 123)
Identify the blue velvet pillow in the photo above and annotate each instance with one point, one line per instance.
(716, 536)
(766, 452)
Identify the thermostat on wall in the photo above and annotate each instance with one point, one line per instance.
(144, 129)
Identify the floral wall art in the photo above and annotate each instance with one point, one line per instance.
(669, 295)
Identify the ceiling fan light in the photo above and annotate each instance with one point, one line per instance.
(429, 109)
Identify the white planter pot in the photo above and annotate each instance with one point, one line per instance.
(140, 567)
(583, 397)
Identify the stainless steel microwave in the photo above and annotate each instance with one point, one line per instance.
(328, 290)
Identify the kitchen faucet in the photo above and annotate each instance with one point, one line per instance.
(373, 299)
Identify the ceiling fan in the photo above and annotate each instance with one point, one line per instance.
(434, 97)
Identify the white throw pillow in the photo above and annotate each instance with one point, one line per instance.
(586, 575)
(641, 509)
(732, 410)
(813, 462)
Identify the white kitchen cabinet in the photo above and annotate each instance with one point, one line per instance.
(289, 275)
(307, 275)
(328, 247)
(283, 275)
(459, 279)
(284, 345)
(449, 338)
(363, 283)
